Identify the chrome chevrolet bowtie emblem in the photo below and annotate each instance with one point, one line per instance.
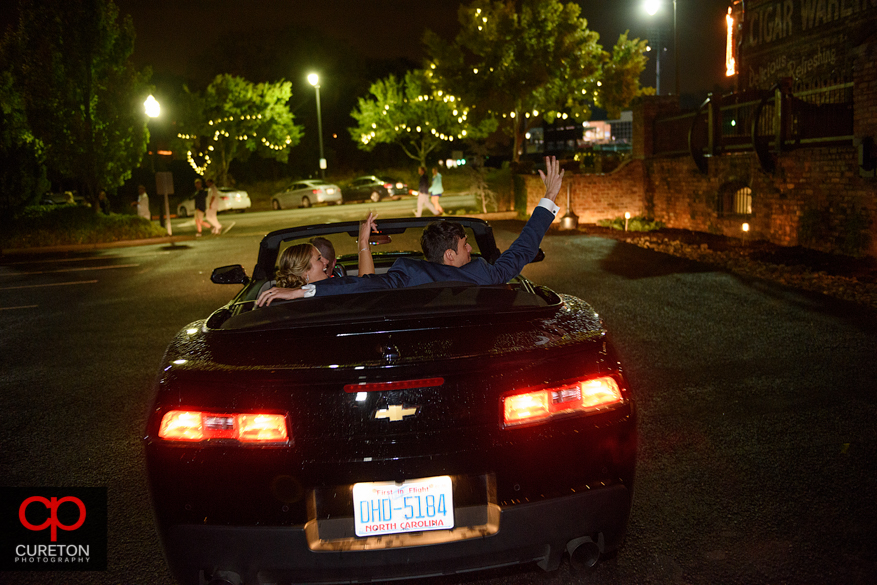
(396, 412)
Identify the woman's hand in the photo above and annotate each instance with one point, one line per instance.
(366, 264)
(274, 293)
(365, 229)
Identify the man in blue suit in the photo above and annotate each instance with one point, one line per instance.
(448, 255)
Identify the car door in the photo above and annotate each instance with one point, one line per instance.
(352, 192)
(292, 196)
(303, 190)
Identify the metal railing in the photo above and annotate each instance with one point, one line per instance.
(768, 122)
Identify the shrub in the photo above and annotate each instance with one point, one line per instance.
(634, 224)
(58, 225)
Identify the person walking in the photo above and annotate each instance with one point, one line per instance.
(200, 198)
(142, 203)
(436, 189)
(103, 202)
(213, 207)
(423, 195)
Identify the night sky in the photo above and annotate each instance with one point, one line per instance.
(170, 33)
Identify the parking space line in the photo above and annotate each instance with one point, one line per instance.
(45, 285)
(85, 259)
(21, 307)
(69, 270)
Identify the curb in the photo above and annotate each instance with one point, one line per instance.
(96, 246)
(496, 215)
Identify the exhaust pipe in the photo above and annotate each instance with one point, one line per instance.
(584, 553)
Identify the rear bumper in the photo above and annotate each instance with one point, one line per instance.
(533, 532)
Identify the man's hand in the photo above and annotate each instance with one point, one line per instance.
(274, 293)
(551, 178)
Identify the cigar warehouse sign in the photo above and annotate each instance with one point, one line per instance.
(807, 40)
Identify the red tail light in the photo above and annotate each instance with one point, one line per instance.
(388, 185)
(569, 398)
(315, 191)
(187, 425)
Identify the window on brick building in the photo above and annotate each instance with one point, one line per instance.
(735, 199)
(743, 201)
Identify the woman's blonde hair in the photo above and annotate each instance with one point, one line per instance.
(295, 261)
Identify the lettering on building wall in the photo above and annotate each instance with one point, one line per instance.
(791, 66)
(775, 21)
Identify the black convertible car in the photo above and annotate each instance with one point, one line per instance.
(402, 433)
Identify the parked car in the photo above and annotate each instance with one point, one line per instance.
(306, 193)
(229, 200)
(393, 434)
(374, 188)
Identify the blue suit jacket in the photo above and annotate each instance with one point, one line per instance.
(407, 272)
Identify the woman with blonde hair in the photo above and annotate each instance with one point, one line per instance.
(303, 264)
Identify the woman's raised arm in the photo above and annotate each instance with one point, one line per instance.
(366, 263)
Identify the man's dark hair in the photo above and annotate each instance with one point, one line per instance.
(439, 236)
(324, 246)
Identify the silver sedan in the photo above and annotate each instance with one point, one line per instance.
(306, 193)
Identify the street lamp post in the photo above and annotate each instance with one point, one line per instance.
(153, 110)
(314, 80)
(652, 7)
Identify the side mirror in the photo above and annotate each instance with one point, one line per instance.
(234, 274)
(540, 256)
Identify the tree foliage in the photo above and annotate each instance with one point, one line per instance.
(415, 115)
(22, 173)
(232, 119)
(70, 62)
(539, 60)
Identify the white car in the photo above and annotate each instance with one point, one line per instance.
(306, 193)
(229, 200)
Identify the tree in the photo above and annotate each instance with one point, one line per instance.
(415, 115)
(234, 118)
(22, 173)
(541, 60)
(83, 97)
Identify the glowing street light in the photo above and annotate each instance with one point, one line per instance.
(164, 186)
(153, 108)
(314, 80)
(652, 7)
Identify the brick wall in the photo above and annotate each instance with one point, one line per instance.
(817, 197)
(596, 196)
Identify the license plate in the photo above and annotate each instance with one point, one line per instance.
(387, 507)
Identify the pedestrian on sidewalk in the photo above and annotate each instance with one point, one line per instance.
(142, 203)
(423, 195)
(200, 198)
(436, 189)
(213, 207)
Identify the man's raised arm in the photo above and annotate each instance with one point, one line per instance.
(551, 178)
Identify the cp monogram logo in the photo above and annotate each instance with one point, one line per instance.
(51, 505)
